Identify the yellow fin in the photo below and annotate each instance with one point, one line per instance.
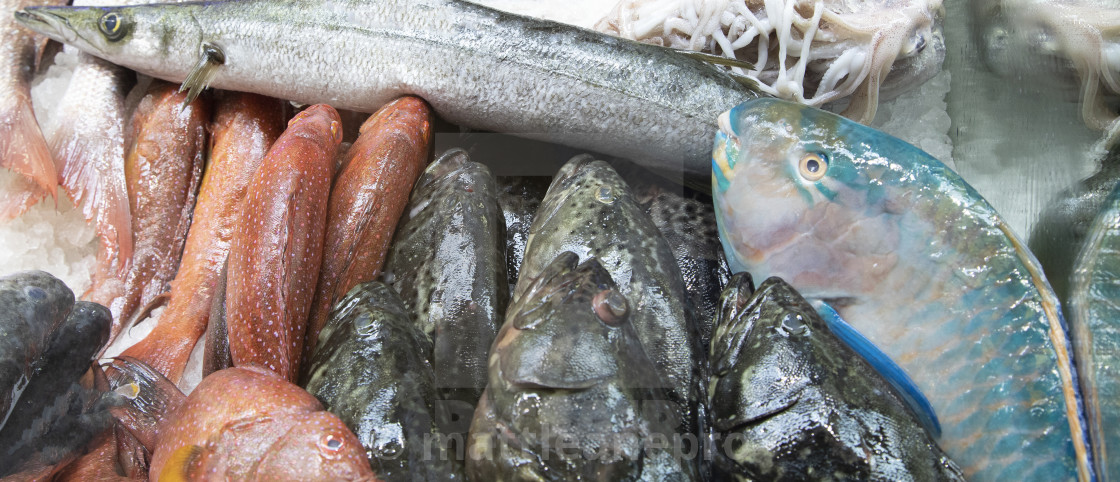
(179, 464)
(210, 58)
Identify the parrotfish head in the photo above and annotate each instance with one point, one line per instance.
(812, 197)
(141, 38)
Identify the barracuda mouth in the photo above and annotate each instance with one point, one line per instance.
(45, 21)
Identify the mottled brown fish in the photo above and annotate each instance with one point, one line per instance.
(368, 197)
(277, 249)
(244, 127)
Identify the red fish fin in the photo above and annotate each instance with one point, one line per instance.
(18, 196)
(22, 147)
(182, 464)
(149, 397)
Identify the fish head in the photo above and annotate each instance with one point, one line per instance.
(318, 447)
(812, 197)
(143, 39)
(562, 332)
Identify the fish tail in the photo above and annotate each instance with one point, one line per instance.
(23, 148)
(18, 196)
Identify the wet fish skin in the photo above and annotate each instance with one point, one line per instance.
(1093, 309)
(371, 368)
(217, 356)
(568, 366)
(913, 258)
(520, 197)
(240, 423)
(35, 304)
(448, 263)
(243, 129)
(367, 198)
(277, 248)
(590, 211)
(482, 68)
(778, 370)
(56, 417)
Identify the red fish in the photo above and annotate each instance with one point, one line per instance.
(277, 249)
(367, 200)
(244, 127)
(241, 423)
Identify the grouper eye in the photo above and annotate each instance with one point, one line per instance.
(813, 166)
(112, 24)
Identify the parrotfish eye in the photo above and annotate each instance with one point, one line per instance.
(112, 24)
(610, 306)
(813, 166)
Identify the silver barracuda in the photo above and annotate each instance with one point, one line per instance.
(478, 67)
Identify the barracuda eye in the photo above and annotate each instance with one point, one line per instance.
(813, 166)
(113, 26)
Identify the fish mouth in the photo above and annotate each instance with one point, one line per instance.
(44, 21)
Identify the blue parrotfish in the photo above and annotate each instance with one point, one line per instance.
(918, 262)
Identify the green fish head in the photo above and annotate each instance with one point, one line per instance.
(810, 196)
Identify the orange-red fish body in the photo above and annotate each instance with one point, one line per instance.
(368, 197)
(277, 248)
(244, 127)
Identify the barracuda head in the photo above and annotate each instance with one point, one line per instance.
(812, 197)
(144, 38)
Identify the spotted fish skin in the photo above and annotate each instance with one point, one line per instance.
(590, 211)
(919, 263)
(1095, 323)
(568, 366)
(448, 263)
(35, 304)
(520, 197)
(801, 403)
(276, 252)
(370, 367)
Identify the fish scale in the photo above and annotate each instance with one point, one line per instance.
(980, 331)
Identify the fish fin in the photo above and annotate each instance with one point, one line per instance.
(180, 464)
(883, 364)
(22, 146)
(744, 80)
(149, 396)
(728, 332)
(198, 79)
(18, 196)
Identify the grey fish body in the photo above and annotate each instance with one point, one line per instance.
(56, 416)
(370, 368)
(520, 197)
(590, 211)
(570, 394)
(1095, 326)
(447, 261)
(801, 404)
(476, 66)
(34, 305)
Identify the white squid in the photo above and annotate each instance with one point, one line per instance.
(812, 51)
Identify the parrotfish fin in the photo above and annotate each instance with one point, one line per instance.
(210, 58)
(882, 363)
(149, 397)
(22, 146)
(180, 464)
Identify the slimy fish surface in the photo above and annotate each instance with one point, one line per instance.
(913, 258)
(243, 129)
(1094, 310)
(476, 66)
(776, 369)
(367, 198)
(277, 248)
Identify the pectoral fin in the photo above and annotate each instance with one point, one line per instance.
(210, 58)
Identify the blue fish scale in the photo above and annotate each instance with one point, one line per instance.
(964, 309)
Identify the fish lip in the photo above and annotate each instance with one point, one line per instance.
(46, 22)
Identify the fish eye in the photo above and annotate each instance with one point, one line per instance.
(813, 166)
(330, 446)
(610, 306)
(112, 24)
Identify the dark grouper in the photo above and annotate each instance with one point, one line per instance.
(921, 265)
(571, 394)
(790, 401)
(476, 66)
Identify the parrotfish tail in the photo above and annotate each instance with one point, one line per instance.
(18, 196)
(1059, 338)
(886, 367)
(91, 168)
(147, 397)
(22, 147)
